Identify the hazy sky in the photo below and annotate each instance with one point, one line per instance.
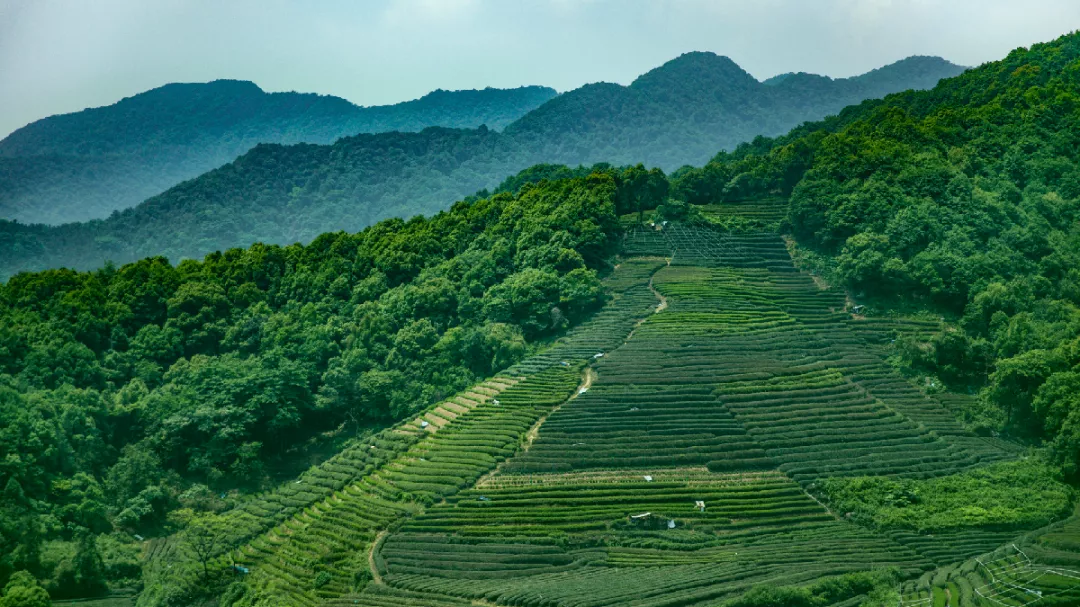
(64, 55)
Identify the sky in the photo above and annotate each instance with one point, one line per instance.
(59, 56)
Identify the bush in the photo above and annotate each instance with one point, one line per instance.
(323, 578)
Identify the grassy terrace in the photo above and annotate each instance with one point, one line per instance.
(517, 538)
(310, 541)
(1041, 568)
(751, 367)
(556, 485)
(751, 385)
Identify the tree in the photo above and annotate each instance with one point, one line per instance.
(20, 531)
(205, 539)
(22, 590)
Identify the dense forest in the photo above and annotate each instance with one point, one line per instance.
(130, 393)
(964, 200)
(85, 165)
(681, 112)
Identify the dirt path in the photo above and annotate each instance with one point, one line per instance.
(534, 431)
(660, 307)
(819, 503)
(375, 576)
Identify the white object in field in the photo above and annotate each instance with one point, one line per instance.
(700, 505)
(598, 355)
(424, 424)
(642, 515)
(495, 401)
(565, 364)
(138, 537)
(671, 524)
(299, 481)
(648, 479)
(633, 408)
(583, 391)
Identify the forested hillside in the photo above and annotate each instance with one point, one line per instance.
(685, 110)
(131, 395)
(85, 165)
(681, 112)
(965, 201)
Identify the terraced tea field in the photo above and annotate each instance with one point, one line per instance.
(606, 538)
(668, 452)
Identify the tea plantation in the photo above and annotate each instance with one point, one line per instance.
(697, 442)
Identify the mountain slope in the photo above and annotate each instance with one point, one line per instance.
(724, 429)
(680, 112)
(87, 164)
(962, 201)
(685, 110)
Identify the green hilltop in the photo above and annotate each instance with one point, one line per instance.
(85, 165)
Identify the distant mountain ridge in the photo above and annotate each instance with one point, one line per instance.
(697, 104)
(682, 112)
(84, 165)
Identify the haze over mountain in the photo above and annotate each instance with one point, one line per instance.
(679, 113)
(84, 165)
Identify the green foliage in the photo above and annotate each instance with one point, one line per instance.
(322, 579)
(22, 590)
(1012, 495)
(677, 210)
(964, 200)
(679, 113)
(85, 165)
(133, 395)
(826, 592)
(75, 569)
